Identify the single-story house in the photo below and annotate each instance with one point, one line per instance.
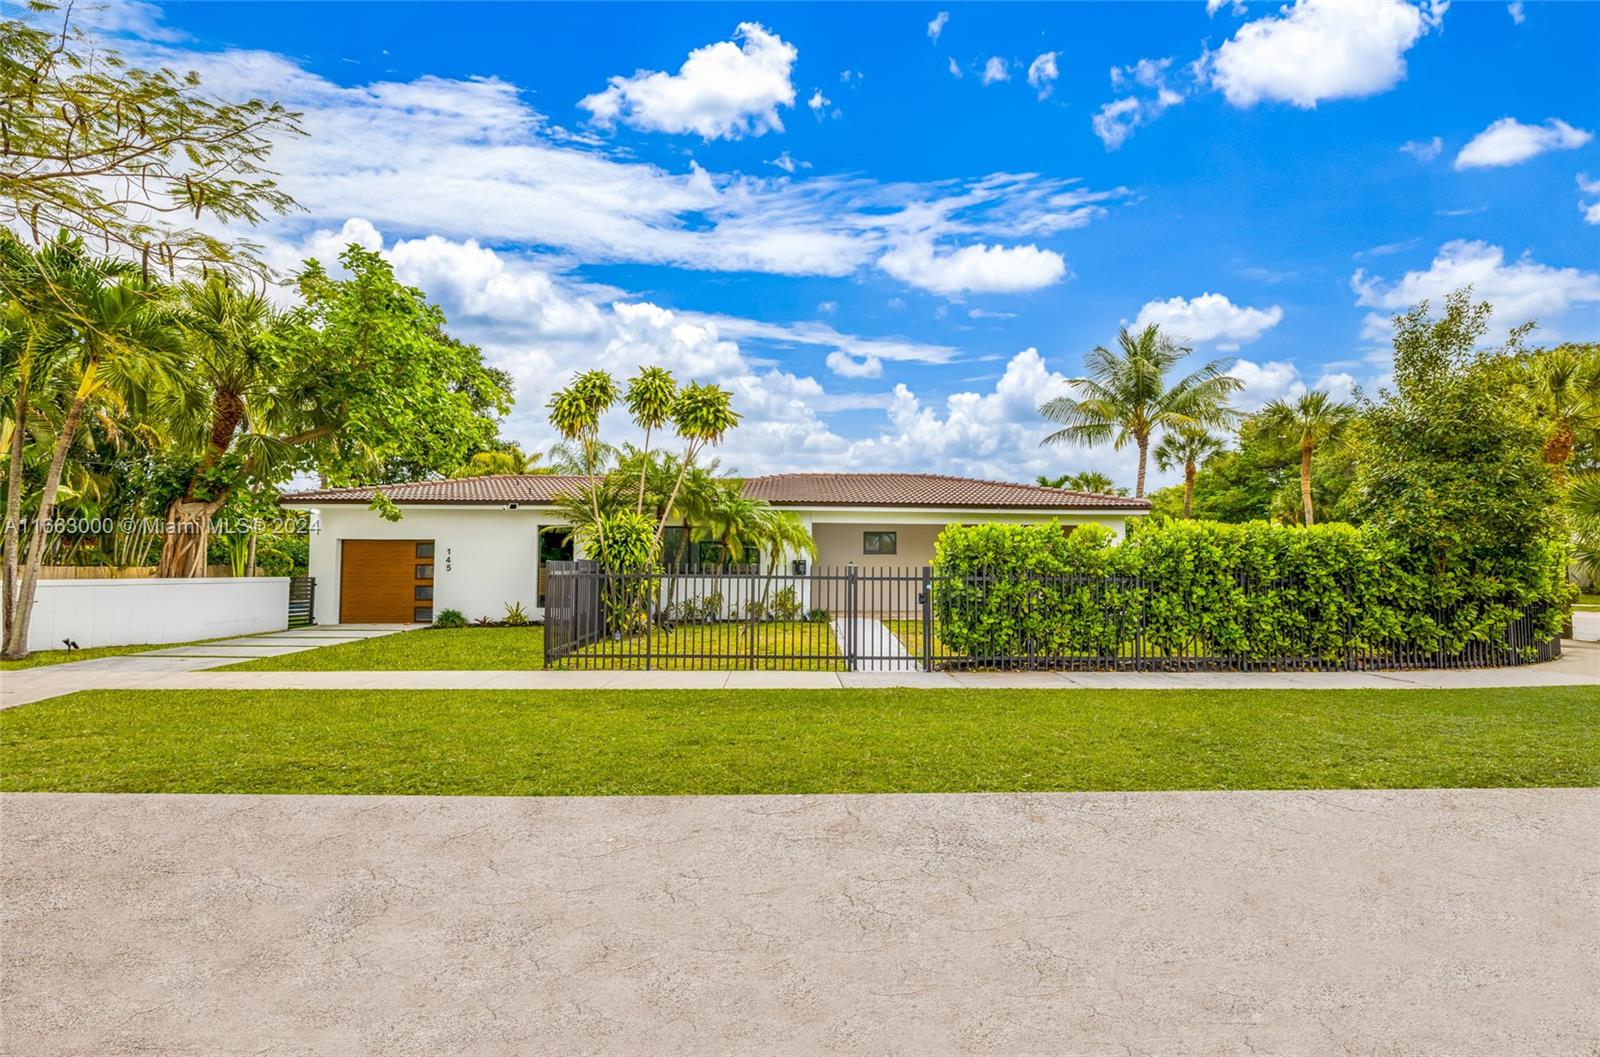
(477, 544)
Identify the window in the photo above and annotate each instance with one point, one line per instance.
(877, 543)
(425, 550)
(422, 614)
(422, 594)
(424, 572)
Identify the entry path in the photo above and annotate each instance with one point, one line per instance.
(1417, 922)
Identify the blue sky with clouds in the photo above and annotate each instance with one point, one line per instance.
(894, 229)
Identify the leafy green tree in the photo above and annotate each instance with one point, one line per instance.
(1302, 426)
(1187, 446)
(120, 343)
(1454, 473)
(128, 158)
(1126, 396)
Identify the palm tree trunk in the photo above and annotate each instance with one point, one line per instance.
(1188, 488)
(1305, 482)
(13, 526)
(16, 646)
(183, 550)
(1144, 451)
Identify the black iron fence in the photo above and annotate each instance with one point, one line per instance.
(302, 601)
(911, 619)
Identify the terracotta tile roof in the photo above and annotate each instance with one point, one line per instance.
(922, 489)
(783, 489)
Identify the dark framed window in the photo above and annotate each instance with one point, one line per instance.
(878, 543)
(422, 594)
(425, 550)
(422, 614)
(424, 572)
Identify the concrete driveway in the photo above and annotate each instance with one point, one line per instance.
(1443, 922)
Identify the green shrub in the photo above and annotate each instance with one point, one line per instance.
(1256, 590)
(785, 604)
(449, 618)
(516, 616)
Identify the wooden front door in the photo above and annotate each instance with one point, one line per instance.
(386, 582)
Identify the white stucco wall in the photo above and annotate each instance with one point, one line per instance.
(483, 558)
(134, 611)
(486, 556)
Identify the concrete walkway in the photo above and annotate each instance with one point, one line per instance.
(1446, 922)
(872, 636)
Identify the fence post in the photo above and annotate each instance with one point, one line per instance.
(927, 618)
(649, 583)
(850, 617)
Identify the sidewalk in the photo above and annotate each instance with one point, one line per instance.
(1578, 665)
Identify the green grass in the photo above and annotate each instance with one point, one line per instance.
(427, 649)
(724, 646)
(832, 741)
(42, 658)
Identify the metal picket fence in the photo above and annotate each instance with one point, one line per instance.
(914, 619)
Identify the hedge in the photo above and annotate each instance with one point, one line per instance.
(1257, 591)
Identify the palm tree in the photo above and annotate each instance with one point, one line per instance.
(510, 460)
(1126, 397)
(1187, 446)
(121, 345)
(1302, 426)
(1565, 384)
(226, 386)
(1586, 523)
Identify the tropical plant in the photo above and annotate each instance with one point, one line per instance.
(1314, 419)
(516, 616)
(122, 156)
(1585, 500)
(1126, 396)
(119, 343)
(507, 460)
(1187, 446)
(1092, 481)
(1565, 385)
(449, 618)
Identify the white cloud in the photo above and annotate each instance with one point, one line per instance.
(1590, 209)
(827, 308)
(978, 268)
(1424, 150)
(995, 70)
(1516, 11)
(1321, 49)
(1209, 319)
(955, 69)
(1508, 142)
(1521, 290)
(936, 27)
(1116, 120)
(1042, 73)
(725, 90)
(847, 366)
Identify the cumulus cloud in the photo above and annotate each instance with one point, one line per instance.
(955, 69)
(1424, 150)
(1519, 290)
(819, 104)
(725, 90)
(1209, 319)
(936, 26)
(1510, 142)
(1263, 383)
(1321, 49)
(1042, 73)
(847, 366)
(977, 268)
(995, 70)
(1590, 189)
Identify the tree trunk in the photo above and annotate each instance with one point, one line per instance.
(1305, 482)
(250, 563)
(13, 526)
(1144, 450)
(185, 537)
(1188, 488)
(16, 646)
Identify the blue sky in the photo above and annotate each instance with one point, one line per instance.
(892, 232)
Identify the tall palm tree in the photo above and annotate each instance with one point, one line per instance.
(120, 347)
(226, 387)
(1187, 446)
(1302, 426)
(1126, 398)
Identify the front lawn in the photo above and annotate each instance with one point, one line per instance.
(427, 649)
(792, 741)
(41, 658)
(785, 645)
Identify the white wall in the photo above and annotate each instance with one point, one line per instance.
(483, 556)
(135, 611)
